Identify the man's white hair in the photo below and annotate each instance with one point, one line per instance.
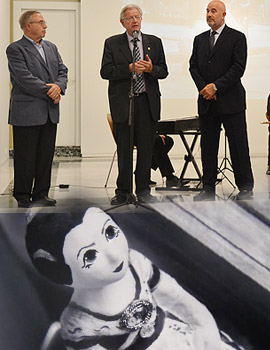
(129, 7)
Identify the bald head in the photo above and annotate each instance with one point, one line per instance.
(215, 14)
(219, 4)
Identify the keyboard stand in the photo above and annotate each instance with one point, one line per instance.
(188, 158)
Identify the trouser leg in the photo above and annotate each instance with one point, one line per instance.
(25, 140)
(160, 155)
(122, 137)
(210, 133)
(236, 131)
(45, 153)
(144, 133)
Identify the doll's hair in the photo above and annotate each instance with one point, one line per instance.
(45, 237)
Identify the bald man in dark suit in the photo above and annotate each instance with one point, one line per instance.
(217, 64)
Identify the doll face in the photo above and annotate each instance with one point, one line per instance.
(96, 251)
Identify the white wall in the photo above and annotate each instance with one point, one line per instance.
(100, 21)
(97, 23)
(4, 94)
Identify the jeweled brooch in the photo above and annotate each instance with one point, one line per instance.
(136, 316)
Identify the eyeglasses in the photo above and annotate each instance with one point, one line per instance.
(135, 18)
(42, 23)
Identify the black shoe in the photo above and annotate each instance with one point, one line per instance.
(268, 171)
(147, 198)
(118, 199)
(152, 183)
(204, 196)
(244, 195)
(24, 203)
(44, 202)
(173, 182)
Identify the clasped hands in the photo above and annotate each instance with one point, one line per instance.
(208, 92)
(142, 66)
(54, 92)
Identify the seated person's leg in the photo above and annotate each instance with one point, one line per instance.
(161, 160)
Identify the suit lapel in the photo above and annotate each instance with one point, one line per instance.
(146, 46)
(124, 47)
(48, 54)
(33, 51)
(221, 38)
(205, 43)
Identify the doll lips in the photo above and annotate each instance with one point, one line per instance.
(119, 268)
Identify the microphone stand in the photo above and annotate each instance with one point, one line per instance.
(131, 199)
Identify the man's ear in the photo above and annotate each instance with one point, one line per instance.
(27, 26)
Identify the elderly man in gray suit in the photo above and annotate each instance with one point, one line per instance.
(38, 78)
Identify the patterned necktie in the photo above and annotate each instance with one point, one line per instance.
(139, 85)
(212, 39)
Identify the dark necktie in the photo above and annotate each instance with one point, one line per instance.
(212, 39)
(139, 83)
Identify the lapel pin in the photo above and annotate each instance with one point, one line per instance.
(149, 48)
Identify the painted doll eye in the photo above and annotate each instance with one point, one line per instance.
(111, 232)
(89, 258)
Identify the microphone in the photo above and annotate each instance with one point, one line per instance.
(135, 35)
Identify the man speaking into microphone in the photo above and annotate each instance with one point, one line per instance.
(150, 65)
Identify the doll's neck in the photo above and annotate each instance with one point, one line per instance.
(110, 299)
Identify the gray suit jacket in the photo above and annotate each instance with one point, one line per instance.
(29, 103)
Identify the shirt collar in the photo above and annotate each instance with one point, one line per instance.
(130, 37)
(219, 30)
(33, 41)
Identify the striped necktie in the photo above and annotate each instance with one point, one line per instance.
(212, 39)
(139, 85)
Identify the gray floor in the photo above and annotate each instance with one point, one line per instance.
(86, 178)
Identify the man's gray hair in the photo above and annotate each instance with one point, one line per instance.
(26, 17)
(129, 7)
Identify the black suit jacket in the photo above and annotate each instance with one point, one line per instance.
(29, 103)
(224, 67)
(115, 67)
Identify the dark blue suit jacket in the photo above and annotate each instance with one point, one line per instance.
(29, 103)
(115, 67)
(224, 67)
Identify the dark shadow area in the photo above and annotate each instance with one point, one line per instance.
(29, 302)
